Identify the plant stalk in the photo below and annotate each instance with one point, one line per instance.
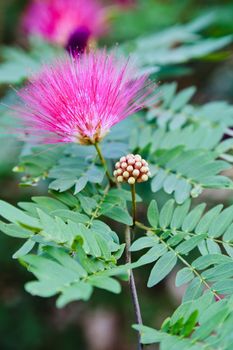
(133, 193)
(103, 162)
(132, 285)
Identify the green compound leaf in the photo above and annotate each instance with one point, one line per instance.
(179, 231)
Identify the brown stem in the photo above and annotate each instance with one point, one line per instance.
(133, 194)
(132, 285)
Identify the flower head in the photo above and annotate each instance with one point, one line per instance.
(80, 99)
(126, 3)
(131, 168)
(58, 20)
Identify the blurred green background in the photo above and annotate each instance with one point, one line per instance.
(104, 323)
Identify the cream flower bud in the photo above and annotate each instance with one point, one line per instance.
(136, 173)
(144, 169)
(138, 157)
(131, 180)
(131, 168)
(119, 171)
(129, 156)
(120, 179)
(125, 174)
(144, 177)
(138, 165)
(131, 161)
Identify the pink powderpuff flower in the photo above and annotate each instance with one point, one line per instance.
(80, 99)
(57, 20)
(126, 3)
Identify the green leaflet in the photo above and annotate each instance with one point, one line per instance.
(166, 214)
(17, 216)
(162, 268)
(184, 276)
(153, 214)
(190, 244)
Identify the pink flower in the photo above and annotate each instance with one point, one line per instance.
(126, 3)
(57, 20)
(79, 100)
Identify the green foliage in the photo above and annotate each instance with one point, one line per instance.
(183, 161)
(175, 111)
(184, 144)
(73, 278)
(19, 64)
(201, 324)
(71, 166)
(175, 232)
(154, 53)
(84, 248)
(160, 52)
(47, 220)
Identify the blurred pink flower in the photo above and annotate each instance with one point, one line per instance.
(58, 20)
(126, 3)
(79, 99)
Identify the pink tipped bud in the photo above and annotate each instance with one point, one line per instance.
(138, 158)
(136, 173)
(120, 179)
(144, 169)
(138, 165)
(129, 156)
(144, 177)
(131, 161)
(126, 174)
(131, 180)
(131, 169)
(119, 171)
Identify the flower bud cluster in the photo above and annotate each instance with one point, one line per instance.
(131, 168)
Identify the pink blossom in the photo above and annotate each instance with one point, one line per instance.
(80, 99)
(57, 20)
(126, 3)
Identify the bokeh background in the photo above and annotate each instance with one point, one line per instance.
(104, 323)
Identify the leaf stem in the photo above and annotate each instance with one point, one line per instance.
(144, 227)
(147, 228)
(103, 161)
